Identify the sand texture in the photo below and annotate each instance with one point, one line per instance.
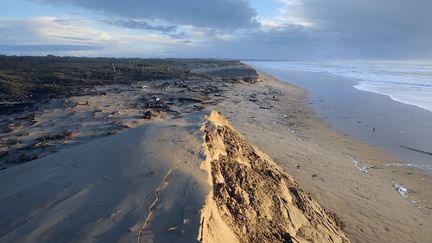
(148, 161)
(141, 185)
(273, 116)
(254, 197)
(147, 185)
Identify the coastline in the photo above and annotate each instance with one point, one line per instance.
(205, 175)
(320, 159)
(148, 184)
(401, 129)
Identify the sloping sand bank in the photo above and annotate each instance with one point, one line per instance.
(254, 198)
(148, 185)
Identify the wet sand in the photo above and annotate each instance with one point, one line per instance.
(401, 129)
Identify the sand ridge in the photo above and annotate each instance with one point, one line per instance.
(183, 180)
(253, 199)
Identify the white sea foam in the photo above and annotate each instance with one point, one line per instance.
(406, 82)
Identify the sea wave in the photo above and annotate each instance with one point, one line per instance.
(405, 82)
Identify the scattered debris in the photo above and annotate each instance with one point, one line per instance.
(364, 169)
(54, 97)
(30, 117)
(172, 228)
(9, 127)
(186, 221)
(188, 99)
(85, 103)
(147, 114)
(402, 191)
(43, 141)
(115, 111)
(195, 108)
(11, 141)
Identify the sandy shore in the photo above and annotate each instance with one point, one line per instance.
(401, 129)
(270, 171)
(279, 122)
(184, 180)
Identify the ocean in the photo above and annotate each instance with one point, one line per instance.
(402, 81)
(385, 104)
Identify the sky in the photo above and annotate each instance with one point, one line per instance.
(241, 29)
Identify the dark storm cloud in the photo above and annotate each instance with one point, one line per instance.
(224, 14)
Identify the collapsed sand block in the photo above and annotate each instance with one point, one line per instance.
(252, 199)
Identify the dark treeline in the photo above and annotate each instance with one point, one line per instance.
(26, 78)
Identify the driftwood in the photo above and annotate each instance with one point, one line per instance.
(32, 117)
(147, 114)
(12, 103)
(115, 111)
(187, 99)
(417, 150)
(85, 103)
(43, 141)
(18, 93)
(100, 92)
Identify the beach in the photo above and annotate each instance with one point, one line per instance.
(402, 129)
(246, 159)
(321, 159)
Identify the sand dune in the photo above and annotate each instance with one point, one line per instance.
(181, 180)
(254, 198)
(142, 184)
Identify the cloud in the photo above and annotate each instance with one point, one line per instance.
(46, 35)
(46, 48)
(74, 36)
(168, 30)
(223, 14)
(336, 29)
(141, 25)
(299, 29)
(369, 28)
(287, 42)
(48, 30)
